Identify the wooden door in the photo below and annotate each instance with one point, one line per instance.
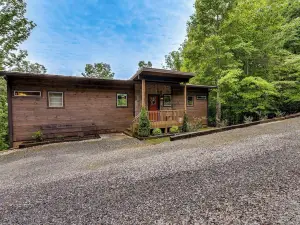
(153, 107)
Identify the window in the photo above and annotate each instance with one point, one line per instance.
(122, 100)
(167, 100)
(27, 93)
(201, 97)
(190, 101)
(55, 99)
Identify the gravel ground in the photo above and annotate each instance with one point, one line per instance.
(243, 176)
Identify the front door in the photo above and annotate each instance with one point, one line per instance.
(153, 107)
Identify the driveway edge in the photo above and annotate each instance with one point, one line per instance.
(217, 130)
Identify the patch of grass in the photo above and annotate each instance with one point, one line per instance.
(157, 140)
(206, 128)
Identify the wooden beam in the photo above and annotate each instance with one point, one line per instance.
(185, 98)
(143, 93)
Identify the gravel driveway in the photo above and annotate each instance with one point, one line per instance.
(243, 176)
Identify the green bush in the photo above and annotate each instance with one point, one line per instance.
(174, 129)
(3, 116)
(223, 123)
(248, 119)
(144, 124)
(185, 125)
(38, 136)
(156, 131)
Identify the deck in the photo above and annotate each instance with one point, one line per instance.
(163, 119)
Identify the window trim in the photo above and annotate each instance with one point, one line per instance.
(164, 100)
(201, 97)
(28, 96)
(56, 107)
(126, 100)
(187, 101)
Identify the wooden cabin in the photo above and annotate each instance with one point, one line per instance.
(70, 105)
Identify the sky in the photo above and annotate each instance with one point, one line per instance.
(71, 33)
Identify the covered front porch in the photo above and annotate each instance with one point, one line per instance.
(167, 97)
(163, 119)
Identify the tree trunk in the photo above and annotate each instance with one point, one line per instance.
(218, 108)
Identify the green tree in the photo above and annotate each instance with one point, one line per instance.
(18, 62)
(14, 26)
(250, 50)
(98, 70)
(143, 64)
(174, 60)
(206, 52)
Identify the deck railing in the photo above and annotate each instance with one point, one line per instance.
(166, 115)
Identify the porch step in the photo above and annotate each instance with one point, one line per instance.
(128, 132)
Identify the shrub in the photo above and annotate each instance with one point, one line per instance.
(174, 129)
(3, 116)
(156, 131)
(185, 125)
(261, 116)
(197, 123)
(38, 136)
(223, 123)
(248, 119)
(279, 114)
(144, 124)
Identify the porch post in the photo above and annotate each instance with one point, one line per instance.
(143, 93)
(185, 97)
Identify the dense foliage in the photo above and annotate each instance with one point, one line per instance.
(250, 50)
(144, 124)
(98, 70)
(3, 116)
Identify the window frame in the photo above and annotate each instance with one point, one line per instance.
(164, 100)
(201, 97)
(28, 96)
(187, 101)
(126, 100)
(55, 107)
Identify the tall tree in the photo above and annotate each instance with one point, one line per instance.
(18, 62)
(205, 51)
(174, 60)
(143, 64)
(246, 48)
(14, 26)
(98, 70)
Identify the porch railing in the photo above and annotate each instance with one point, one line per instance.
(166, 115)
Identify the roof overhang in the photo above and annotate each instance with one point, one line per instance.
(23, 75)
(153, 74)
(200, 86)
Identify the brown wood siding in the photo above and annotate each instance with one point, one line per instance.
(81, 106)
(199, 110)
